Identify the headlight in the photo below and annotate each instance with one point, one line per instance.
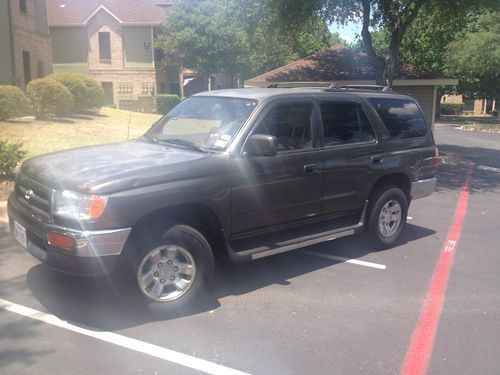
(72, 205)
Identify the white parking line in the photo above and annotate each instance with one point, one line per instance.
(123, 341)
(346, 260)
(486, 168)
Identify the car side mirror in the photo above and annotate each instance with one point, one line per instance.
(261, 145)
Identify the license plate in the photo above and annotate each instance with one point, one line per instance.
(20, 234)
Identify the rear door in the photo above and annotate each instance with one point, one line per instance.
(352, 157)
(273, 190)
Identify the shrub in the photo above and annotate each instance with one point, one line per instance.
(165, 102)
(95, 93)
(10, 156)
(49, 97)
(451, 108)
(13, 102)
(494, 113)
(87, 92)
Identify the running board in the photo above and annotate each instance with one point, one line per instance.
(300, 242)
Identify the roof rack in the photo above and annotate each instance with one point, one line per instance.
(329, 86)
(336, 87)
(299, 84)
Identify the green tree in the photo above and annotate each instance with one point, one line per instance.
(474, 58)
(393, 16)
(236, 38)
(198, 36)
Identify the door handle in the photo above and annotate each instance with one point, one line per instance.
(377, 159)
(312, 168)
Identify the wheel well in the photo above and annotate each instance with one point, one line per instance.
(397, 179)
(198, 216)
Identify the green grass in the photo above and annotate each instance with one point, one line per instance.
(40, 137)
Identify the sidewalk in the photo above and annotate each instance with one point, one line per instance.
(3, 212)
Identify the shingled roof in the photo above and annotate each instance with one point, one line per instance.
(335, 64)
(76, 12)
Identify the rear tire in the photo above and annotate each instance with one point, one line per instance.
(387, 215)
(174, 271)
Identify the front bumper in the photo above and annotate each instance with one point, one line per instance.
(423, 188)
(94, 252)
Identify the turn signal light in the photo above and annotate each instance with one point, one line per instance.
(60, 240)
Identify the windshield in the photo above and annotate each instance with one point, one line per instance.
(208, 123)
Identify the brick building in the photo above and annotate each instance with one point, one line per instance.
(25, 46)
(113, 41)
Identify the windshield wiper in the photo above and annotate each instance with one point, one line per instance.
(183, 143)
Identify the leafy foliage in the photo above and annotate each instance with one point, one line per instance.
(13, 102)
(165, 102)
(49, 97)
(475, 58)
(87, 92)
(451, 108)
(395, 17)
(10, 156)
(236, 38)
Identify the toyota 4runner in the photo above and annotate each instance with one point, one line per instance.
(242, 174)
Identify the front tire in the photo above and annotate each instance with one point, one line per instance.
(387, 216)
(175, 271)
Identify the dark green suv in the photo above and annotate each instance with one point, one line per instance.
(241, 174)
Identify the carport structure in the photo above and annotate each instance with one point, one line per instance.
(346, 66)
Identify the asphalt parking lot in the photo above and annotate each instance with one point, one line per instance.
(303, 312)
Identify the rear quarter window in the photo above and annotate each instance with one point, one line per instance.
(402, 117)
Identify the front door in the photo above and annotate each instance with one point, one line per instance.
(286, 188)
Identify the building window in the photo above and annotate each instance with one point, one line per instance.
(26, 67)
(104, 47)
(148, 88)
(23, 6)
(39, 69)
(125, 88)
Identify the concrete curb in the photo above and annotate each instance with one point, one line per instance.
(3, 212)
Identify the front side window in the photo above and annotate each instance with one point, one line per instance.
(204, 122)
(402, 117)
(344, 122)
(290, 123)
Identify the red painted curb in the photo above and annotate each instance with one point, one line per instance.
(422, 340)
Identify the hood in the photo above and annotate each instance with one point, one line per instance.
(113, 167)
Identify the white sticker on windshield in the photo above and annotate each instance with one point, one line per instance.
(225, 137)
(220, 143)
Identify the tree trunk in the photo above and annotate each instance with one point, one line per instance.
(377, 62)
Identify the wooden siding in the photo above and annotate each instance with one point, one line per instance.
(69, 45)
(138, 46)
(6, 73)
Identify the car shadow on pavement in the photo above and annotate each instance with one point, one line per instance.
(97, 303)
(454, 168)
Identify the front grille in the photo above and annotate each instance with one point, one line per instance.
(34, 196)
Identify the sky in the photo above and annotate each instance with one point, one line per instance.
(347, 32)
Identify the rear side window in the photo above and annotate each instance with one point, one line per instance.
(402, 117)
(344, 122)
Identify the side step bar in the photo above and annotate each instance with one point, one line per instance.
(297, 243)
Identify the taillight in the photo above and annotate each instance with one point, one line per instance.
(436, 159)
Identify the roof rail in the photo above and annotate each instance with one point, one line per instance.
(328, 86)
(336, 87)
(299, 84)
